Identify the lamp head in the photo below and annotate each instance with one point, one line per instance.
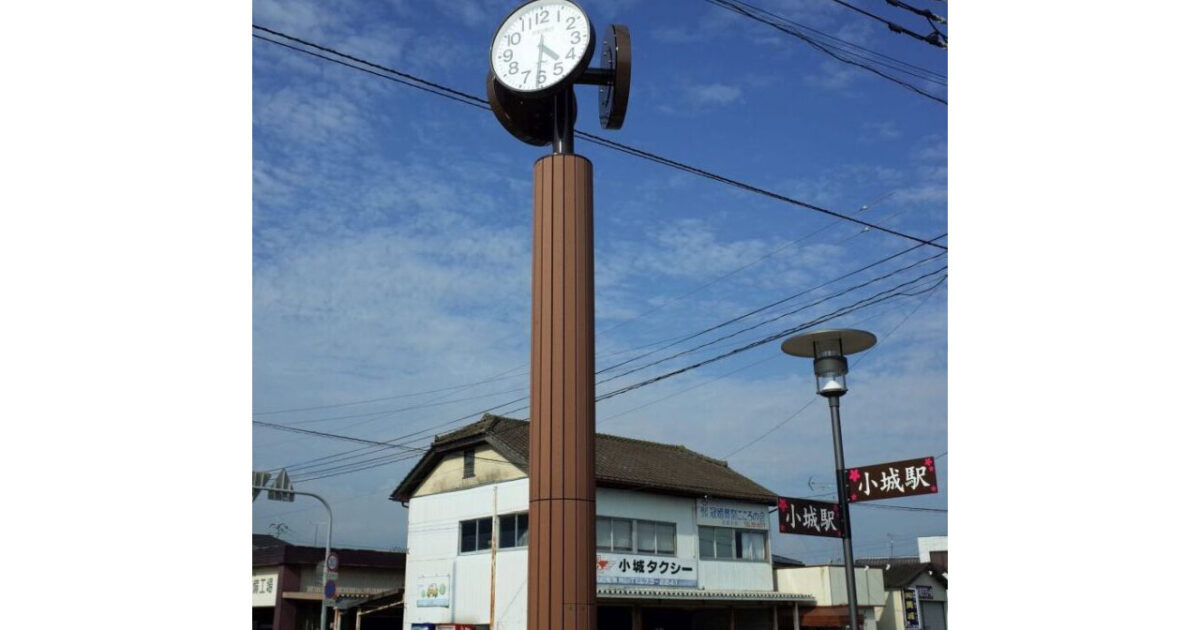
(828, 350)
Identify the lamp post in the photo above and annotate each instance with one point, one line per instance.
(828, 350)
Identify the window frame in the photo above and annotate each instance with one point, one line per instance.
(738, 548)
(468, 463)
(497, 530)
(634, 542)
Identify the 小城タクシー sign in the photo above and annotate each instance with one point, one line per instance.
(613, 568)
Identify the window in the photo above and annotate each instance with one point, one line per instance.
(476, 534)
(626, 535)
(468, 463)
(722, 543)
(622, 534)
(514, 530)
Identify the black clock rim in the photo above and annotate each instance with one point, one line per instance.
(529, 120)
(572, 75)
(612, 110)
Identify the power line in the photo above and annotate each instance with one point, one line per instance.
(932, 39)
(767, 321)
(369, 450)
(855, 363)
(463, 97)
(829, 52)
(360, 465)
(851, 47)
(641, 356)
(510, 373)
(497, 377)
(854, 50)
(875, 299)
(925, 13)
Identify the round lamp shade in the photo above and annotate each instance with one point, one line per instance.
(829, 343)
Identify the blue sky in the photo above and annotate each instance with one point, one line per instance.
(391, 246)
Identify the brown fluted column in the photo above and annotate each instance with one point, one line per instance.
(562, 488)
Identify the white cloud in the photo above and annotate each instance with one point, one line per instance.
(881, 130)
(713, 94)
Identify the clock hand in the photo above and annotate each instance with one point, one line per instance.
(541, 48)
(546, 49)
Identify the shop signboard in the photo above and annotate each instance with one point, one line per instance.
(433, 591)
(810, 518)
(905, 478)
(912, 609)
(264, 587)
(645, 570)
(719, 513)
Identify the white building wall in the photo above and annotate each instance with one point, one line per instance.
(433, 539)
(713, 575)
(925, 544)
(433, 551)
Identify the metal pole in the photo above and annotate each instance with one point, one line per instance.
(328, 543)
(844, 506)
(564, 133)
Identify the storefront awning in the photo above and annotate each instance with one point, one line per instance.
(699, 595)
(827, 617)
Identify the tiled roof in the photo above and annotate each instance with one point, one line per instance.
(266, 540)
(902, 574)
(621, 462)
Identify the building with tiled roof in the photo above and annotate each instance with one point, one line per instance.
(621, 462)
(682, 539)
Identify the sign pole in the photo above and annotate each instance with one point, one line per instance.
(328, 537)
(844, 506)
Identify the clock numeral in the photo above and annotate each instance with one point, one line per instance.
(571, 22)
(526, 79)
(558, 68)
(541, 78)
(543, 16)
(513, 68)
(576, 37)
(514, 39)
(571, 54)
(506, 55)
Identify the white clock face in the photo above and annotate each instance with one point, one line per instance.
(540, 45)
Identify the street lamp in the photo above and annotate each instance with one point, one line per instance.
(828, 350)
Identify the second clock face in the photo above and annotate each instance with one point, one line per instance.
(540, 45)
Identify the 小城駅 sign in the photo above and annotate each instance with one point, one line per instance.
(811, 518)
(646, 570)
(891, 480)
(433, 591)
(718, 513)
